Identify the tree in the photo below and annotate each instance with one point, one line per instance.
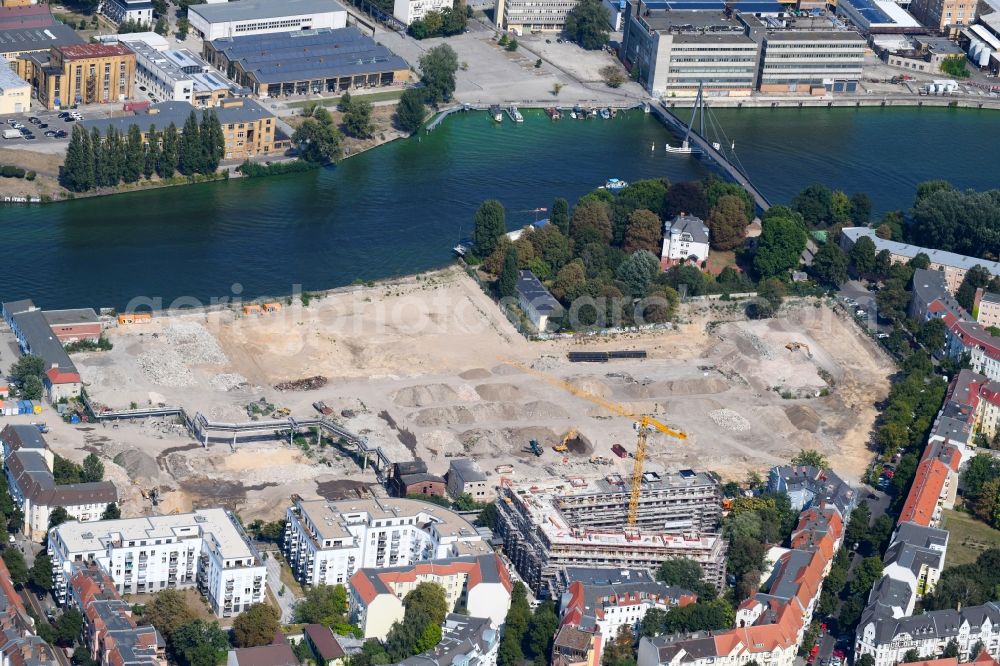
(93, 469)
(358, 119)
(81, 657)
(680, 571)
(27, 366)
(14, 560)
(815, 204)
(560, 215)
(489, 226)
(637, 272)
(861, 209)
(58, 516)
(256, 625)
(151, 154)
(620, 651)
(199, 643)
(865, 660)
(728, 223)
(323, 604)
(78, 167)
(862, 256)
(111, 512)
(643, 232)
(613, 76)
(32, 388)
(135, 155)
(883, 262)
(911, 656)
(410, 111)
(507, 283)
(189, 158)
(780, 246)
(437, 67)
(541, 629)
(587, 24)
(168, 611)
(955, 66)
(830, 265)
(318, 138)
(591, 222)
(932, 335)
(812, 458)
(68, 627)
(950, 650)
(857, 526)
(975, 278)
(686, 197)
(344, 105)
(213, 142)
(773, 291)
(40, 574)
(66, 471)
(166, 163)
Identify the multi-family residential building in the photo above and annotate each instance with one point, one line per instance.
(526, 16)
(110, 633)
(931, 296)
(674, 52)
(206, 549)
(248, 128)
(546, 527)
(769, 625)
(954, 266)
(987, 308)
(887, 639)
(573, 646)
(480, 584)
(685, 238)
(944, 16)
(177, 75)
(135, 11)
(465, 478)
(599, 602)
(327, 542)
(35, 336)
(255, 17)
(466, 640)
(80, 74)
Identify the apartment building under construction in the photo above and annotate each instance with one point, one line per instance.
(582, 523)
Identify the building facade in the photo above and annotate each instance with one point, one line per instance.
(327, 542)
(35, 336)
(80, 74)
(465, 478)
(206, 549)
(685, 238)
(408, 11)
(809, 61)
(988, 310)
(480, 584)
(21, 42)
(540, 306)
(944, 16)
(177, 75)
(135, 11)
(76, 325)
(256, 17)
(15, 92)
(526, 16)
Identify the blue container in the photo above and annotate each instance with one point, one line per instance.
(74, 419)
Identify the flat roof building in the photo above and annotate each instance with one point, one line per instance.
(80, 74)
(28, 16)
(177, 75)
(18, 42)
(15, 92)
(465, 478)
(879, 17)
(811, 61)
(306, 62)
(135, 11)
(255, 17)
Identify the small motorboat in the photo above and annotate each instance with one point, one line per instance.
(554, 113)
(614, 185)
(514, 114)
(606, 114)
(495, 113)
(579, 112)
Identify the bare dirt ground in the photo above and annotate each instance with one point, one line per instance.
(381, 118)
(418, 366)
(46, 167)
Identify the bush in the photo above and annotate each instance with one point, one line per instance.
(11, 172)
(30, 175)
(255, 170)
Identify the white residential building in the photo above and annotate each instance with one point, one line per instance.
(326, 542)
(409, 11)
(685, 238)
(257, 17)
(120, 11)
(536, 301)
(206, 548)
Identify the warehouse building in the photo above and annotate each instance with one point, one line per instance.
(16, 17)
(21, 42)
(547, 527)
(258, 17)
(310, 62)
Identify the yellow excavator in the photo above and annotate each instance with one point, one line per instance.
(562, 447)
(643, 425)
(796, 346)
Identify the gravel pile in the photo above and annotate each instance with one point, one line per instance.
(730, 420)
(194, 343)
(165, 368)
(759, 346)
(228, 381)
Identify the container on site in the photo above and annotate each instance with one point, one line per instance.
(36, 409)
(74, 419)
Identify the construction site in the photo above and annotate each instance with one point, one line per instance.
(425, 367)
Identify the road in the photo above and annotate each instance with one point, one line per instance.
(40, 608)
(866, 301)
(287, 600)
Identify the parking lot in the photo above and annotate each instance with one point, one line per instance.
(46, 128)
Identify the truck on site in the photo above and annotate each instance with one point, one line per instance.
(535, 447)
(11, 134)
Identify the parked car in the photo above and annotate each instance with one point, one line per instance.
(42, 125)
(62, 134)
(50, 134)
(64, 114)
(34, 120)
(882, 336)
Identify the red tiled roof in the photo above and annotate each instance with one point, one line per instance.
(77, 51)
(928, 484)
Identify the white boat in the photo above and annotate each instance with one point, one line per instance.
(496, 113)
(684, 149)
(614, 185)
(606, 114)
(514, 114)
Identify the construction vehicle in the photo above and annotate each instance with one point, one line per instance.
(796, 346)
(562, 447)
(535, 447)
(643, 425)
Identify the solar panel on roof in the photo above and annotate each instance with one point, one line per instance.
(871, 11)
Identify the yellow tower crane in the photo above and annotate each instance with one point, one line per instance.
(644, 425)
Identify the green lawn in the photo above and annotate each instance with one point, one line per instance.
(371, 97)
(968, 537)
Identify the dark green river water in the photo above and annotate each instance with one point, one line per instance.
(400, 208)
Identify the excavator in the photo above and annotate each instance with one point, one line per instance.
(643, 425)
(796, 346)
(562, 447)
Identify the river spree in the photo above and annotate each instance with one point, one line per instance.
(399, 208)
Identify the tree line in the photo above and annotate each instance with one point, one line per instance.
(94, 160)
(445, 23)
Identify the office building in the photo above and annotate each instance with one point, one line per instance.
(302, 63)
(465, 478)
(129, 11)
(327, 542)
(408, 11)
(206, 549)
(256, 17)
(21, 42)
(15, 92)
(944, 17)
(685, 238)
(813, 62)
(249, 129)
(28, 466)
(546, 527)
(674, 51)
(480, 584)
(35, 336)
(526, 16)
(80, 74)
(177, 75)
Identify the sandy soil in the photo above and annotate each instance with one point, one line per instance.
(46, 166)
(419, 366)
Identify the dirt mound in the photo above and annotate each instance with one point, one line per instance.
(139, 465)
(592, 386)
(707, 385)
(422, 396)
(803, 417)
(442, 416)
(488, 412)
(505, 370)
(475, 373)
(498, 391)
